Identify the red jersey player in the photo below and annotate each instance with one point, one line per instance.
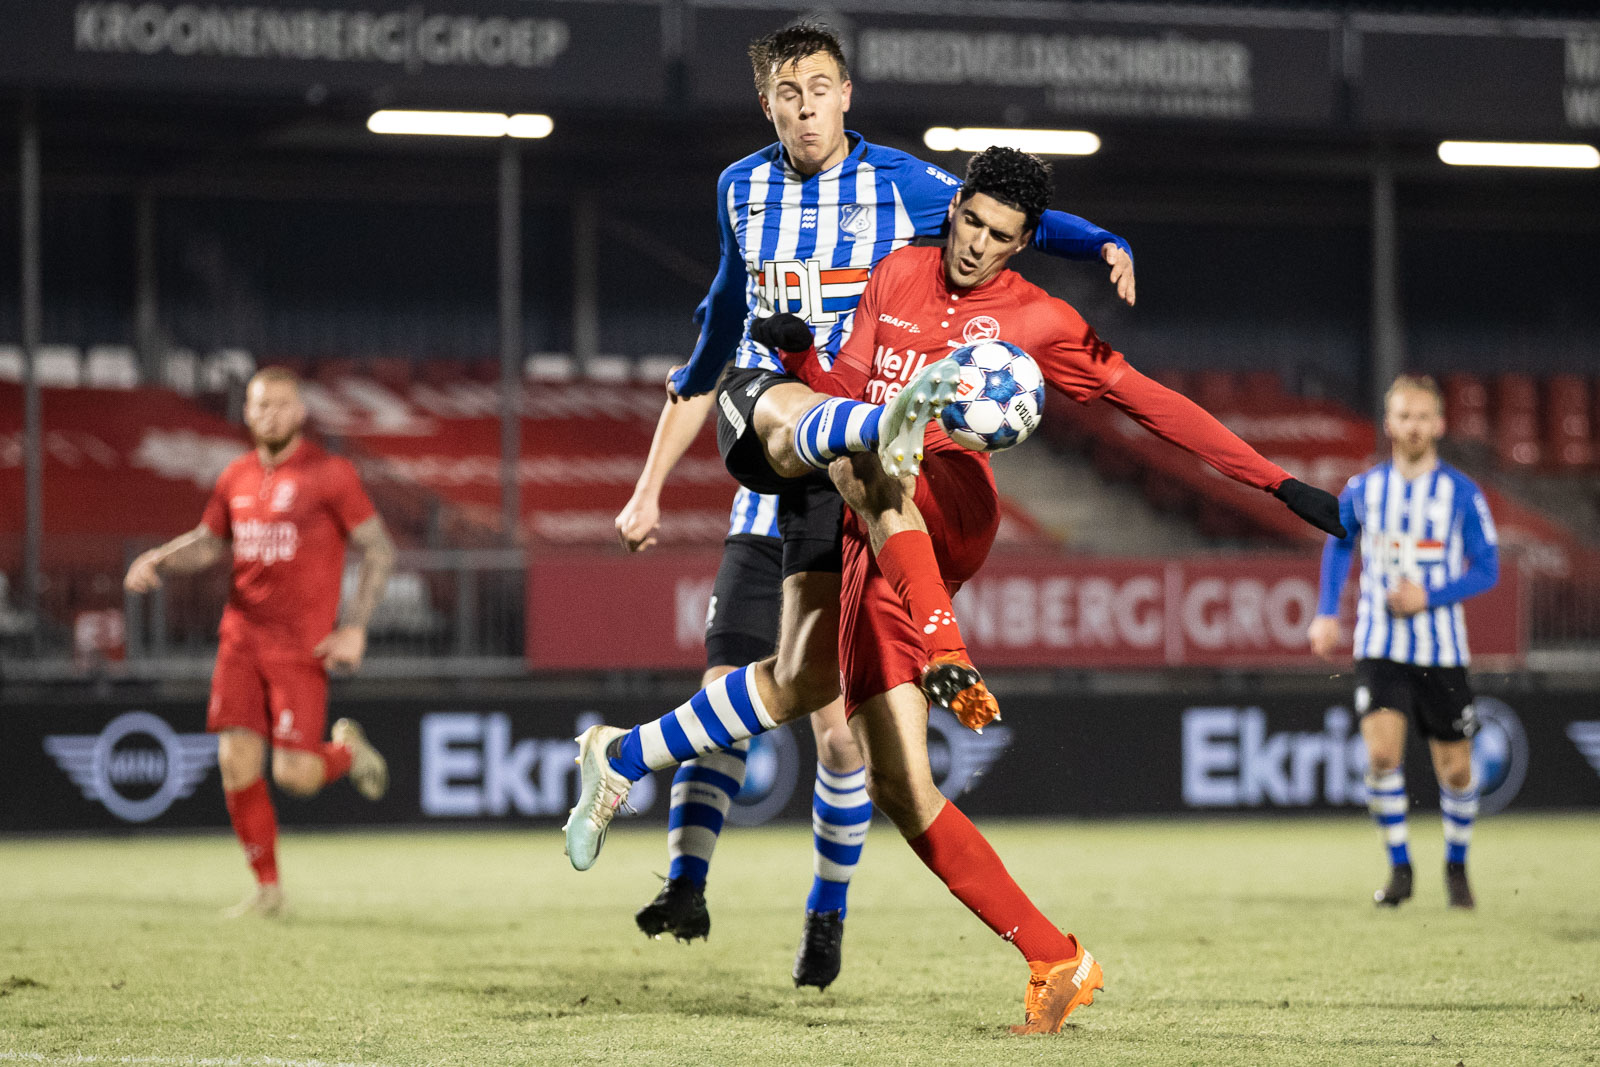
(287, 507)
(919, 304)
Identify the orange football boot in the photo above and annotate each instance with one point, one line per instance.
(1056, 990)
(950, 681)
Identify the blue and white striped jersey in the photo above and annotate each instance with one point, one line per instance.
(754, 513)
(1435, 530)
(805, 245)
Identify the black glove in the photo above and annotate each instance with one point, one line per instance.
(785, 331)
(1318, 507)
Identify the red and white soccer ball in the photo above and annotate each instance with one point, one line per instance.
(999, 397)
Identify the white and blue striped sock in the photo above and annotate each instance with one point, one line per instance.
(840, 815)
(727, 710)
(702, 791)
(1460, 811)
(835, 427)
(1386, 800)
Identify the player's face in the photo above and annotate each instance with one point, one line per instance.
(806, 102)
(1413, 422)
(274, 412)
(984, 235)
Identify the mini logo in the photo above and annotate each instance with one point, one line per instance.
(1499, 754)
(283, 496)
(856, 219)
(808, 218)
(942, 176)
(138, 766)
(908, 327)
(982, 328)
(731, 413)
(753, 388)
(938, 619)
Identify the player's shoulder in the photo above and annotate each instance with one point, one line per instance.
(741, 169)
(1036, 302)
(1360, 478)
(899, 164)
(241, 463)
(1465, 487)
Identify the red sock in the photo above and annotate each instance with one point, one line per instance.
(907, 562)
(954, 850)
(255, 824)
(335, 761)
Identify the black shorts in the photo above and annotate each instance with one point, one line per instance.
(742, 621)
(810, 511)
(1437, 699)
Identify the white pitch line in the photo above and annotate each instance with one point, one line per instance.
(170, 1061)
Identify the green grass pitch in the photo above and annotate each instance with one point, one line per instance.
(1232, 943)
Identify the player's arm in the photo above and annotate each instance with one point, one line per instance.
(345, 647)
(184, 554)
(1178, 420)
(1324, 634)
(927, 189)
(676, 429)
(1480, 558)
(721, 315)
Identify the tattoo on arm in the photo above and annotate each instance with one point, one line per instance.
(377, 563)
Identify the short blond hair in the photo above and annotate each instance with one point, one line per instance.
(1421, 383)
(276, 374)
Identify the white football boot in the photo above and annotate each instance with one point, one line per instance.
(601, 792)
(905, 418)
(369, 771)
(264, 900)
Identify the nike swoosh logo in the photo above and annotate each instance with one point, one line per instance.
(756, 209)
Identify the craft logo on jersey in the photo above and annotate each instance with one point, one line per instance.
(283, 496)
(805, 288)
(259, 541)
(982, 328)
(1499, 753)
(856, 219)
(138, 766)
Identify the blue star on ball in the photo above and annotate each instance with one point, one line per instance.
(1000, 386)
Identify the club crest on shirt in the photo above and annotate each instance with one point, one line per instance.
(856, 219)
(283, 496)
(982, 328)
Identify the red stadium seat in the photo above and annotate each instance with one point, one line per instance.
(1566, 421)
(393, 372)
(1466, 407)
(1516, 420)
(336, 369)
(1264, 387)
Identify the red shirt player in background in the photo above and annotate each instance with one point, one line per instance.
(901, 567)
(287, 507)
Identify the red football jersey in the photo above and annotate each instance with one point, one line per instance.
(910, 317)
(288, 525)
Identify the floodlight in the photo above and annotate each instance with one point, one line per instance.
(1511, 154)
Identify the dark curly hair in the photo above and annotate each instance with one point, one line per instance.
(1016, 179)
(776, 50)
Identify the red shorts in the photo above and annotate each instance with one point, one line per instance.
(879, 648)
(282, 696)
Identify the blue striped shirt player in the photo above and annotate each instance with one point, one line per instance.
(1436, 531)
(1427, 543)
(806, 245)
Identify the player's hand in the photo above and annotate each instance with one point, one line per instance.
(142, 575)
(675, 380)
(343, 649)
(1121, 270)
(1324, 635)
(1407, 598)
(1317, 506)
(638, 522)
(785, 332)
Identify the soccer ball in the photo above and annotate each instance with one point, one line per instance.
(999, 397)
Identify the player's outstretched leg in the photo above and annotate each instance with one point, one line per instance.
(1386, 800)
(610, 760)
(906, 417)
(702, 792)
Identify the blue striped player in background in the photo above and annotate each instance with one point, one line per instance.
(741, 628)
(800, 224)
(1427, 544)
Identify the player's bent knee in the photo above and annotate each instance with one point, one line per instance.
(806, 686)
(302, 777)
